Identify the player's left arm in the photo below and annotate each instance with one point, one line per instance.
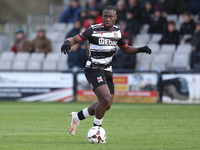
(127, 49)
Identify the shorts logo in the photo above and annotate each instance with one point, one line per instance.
(99, 79)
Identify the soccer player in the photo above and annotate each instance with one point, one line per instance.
(104, 39)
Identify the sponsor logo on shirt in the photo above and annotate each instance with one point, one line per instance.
(103, 41)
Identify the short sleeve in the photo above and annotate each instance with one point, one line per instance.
(86, 34)
(121, 42)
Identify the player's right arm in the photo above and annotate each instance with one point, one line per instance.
(69, 42)
(74, 40)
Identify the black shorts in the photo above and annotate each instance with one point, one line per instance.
(97, 77)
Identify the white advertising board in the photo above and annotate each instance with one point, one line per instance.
(46, 87)
(181, 88)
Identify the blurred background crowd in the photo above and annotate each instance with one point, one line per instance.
(170, 27)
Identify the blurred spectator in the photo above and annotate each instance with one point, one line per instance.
(102, 4)
(171, 36)
(75, 30)
(188, 26)
(83, 15)
(146, 13)
(182, 6)
(175, 6)
(169, 6)
(77, 56)
(158, 22)
(195, 42)
(121, 11)
(123, 61)
(90, 4)
(194, 7)
(89, 21)
(95, 13)
(71, 14)
(123, 27)
(41, 43)
(21, 44)
(132, 26)
(143, 2)
(134, 8)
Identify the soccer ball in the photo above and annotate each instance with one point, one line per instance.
(96, 135)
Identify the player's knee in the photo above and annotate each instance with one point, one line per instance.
(106, 100)
(109, 106)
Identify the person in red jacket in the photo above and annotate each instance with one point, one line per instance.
(95, 14)
(21, 44)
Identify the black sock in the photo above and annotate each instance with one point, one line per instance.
(80, 115)
(97, 125)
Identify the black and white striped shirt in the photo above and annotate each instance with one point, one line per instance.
(103, 45)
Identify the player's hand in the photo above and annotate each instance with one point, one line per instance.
(144, 49)
(65, 48)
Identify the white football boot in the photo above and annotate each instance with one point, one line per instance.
(103, 141)
(74, 123)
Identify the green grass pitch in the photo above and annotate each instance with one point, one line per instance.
(33, 126)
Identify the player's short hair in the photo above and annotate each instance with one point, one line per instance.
(109, 7)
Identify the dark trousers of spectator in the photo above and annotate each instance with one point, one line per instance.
(194, 56)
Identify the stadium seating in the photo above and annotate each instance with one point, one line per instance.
(144, 28)
(163, 57)
(172, 17)
(34, 65)
(7, 56)
(55, 11)
(155, 66)
(5, 65)
(154, 47)
(168, 48)
(19, 65)
(142, 66)
(3, 42)
(59, 27)
(180, 19)
(187, 36)
(62, 63)
(155, 38)
(143, 62)
(38, 19)
(52, 56)
(56, 46)
(24, 61)
(180, 62)
(22, 56)
(37, 56)
(142, 39)
(160, 62)
(49, 66)
(184, 48)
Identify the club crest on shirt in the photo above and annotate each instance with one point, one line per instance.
(99, 79)
(115, 34)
